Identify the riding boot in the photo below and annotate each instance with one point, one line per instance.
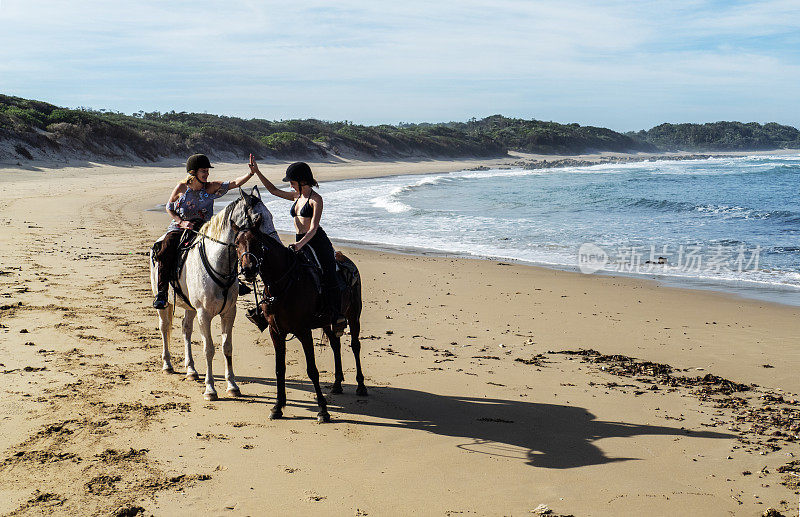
(333, 297)
(163, 285)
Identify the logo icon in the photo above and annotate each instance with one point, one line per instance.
(591, 258)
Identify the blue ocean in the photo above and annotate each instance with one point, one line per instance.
(723, 223)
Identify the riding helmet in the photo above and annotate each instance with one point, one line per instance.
(301, 173)
(197, 161)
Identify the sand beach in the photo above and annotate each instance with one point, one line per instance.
(494, 388)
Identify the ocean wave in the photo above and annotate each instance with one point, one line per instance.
(393, 205)
(726, 211)
(600, 168)
(500, 173)
(661, 204)
(771, 157)
(740, 212)
(390, 203)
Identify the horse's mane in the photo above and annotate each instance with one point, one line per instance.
(217, 224)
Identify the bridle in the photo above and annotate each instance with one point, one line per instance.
(274, 289)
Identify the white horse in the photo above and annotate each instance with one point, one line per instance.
(209, 281)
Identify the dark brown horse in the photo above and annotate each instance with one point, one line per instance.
(293, 305)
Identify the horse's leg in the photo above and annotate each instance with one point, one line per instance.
(165, 325)
(227, 349)
(204, 322)
(355, 344)
(311, 369)
(279, 344)
(188, 360)
(336, 346)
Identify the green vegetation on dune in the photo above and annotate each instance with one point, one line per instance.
(536, 136)
(721, 136)
(150, 136)
(38, 129)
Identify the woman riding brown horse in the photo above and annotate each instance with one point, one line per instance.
(308, 230)
(291, 306)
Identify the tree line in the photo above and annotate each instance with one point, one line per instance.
(37, 128)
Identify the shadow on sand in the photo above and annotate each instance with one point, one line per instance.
(543, 435)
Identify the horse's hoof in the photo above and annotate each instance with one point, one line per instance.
(275, 415)
(323, 417)
(336, 388)
(210, 396)
(234, 393)
(192, 376)
(361, 391)
(168, 369)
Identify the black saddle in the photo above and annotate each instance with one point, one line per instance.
(184, 245)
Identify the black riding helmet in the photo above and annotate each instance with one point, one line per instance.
(301, 173)
(197, 161)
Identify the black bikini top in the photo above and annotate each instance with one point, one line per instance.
(306, 211)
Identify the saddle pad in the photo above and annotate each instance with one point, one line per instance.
(347, 270)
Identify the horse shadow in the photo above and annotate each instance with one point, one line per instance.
(543, 435)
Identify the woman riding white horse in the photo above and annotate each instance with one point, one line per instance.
(208, 280)
(191, 204)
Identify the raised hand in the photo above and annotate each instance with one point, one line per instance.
(253, 165)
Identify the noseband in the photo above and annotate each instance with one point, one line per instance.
(253, 257)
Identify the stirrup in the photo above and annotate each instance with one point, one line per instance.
(255, 315)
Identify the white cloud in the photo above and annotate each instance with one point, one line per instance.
(388, 61)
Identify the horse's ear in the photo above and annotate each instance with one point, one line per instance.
(255, 192)
(241, 192)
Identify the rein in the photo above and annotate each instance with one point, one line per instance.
(208, 237)
(287, 278)
(224, 281)
(265, 242)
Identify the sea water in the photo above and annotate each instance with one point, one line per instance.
(721, 223)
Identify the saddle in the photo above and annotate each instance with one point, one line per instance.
(184, 246)
(308, 262)
(346, 270)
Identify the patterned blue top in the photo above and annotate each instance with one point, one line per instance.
(196, 204)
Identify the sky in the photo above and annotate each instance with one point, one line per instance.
(623, 65)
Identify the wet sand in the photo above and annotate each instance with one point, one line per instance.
(471, 409)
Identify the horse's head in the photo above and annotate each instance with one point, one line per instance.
(250, 212)
(248, 250)
(256, 236)
(245, 220)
